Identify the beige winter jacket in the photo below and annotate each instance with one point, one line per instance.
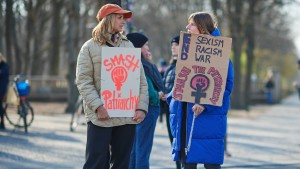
(88, 75)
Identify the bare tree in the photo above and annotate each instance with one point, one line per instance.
(250, 38)
(256, 9)
(32, 8)
(56, 27)
(235, 12)
(8, 33)
(1, 27)
(30, 30)
(218, 11)
(41, 17)
(72, 49)
(32, 33)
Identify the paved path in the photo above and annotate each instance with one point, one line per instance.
(267, 137)
(266, 141)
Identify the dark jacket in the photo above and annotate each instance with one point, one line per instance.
(269, 84)
(152, 72)
(4, 76)
(154, 80)
(169, 77)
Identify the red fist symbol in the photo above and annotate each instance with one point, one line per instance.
(119, 75)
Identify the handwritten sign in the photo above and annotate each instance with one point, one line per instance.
(120, 80)
(201, 69)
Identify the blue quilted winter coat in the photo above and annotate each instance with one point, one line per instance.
(207, 145)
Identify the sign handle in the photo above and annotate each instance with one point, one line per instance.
(187, 149)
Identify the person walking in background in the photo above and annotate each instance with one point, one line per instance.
(269, 86)
(168, 79)
(144, 135)
(4, 79)
(207, 141)
(109, 140)
(269, 90)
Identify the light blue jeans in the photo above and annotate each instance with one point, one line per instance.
(144, 134)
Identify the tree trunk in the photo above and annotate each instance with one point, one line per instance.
(1, 28)
(38, 38)
(17, 51)
(55, 37)
(217, 9)
(250, 38)
(235, 9)
(37, 49)
(29, 41)
(8, 35)
(72, 46)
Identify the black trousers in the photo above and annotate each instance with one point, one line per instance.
(164, 108)
(1, 106)
(109, 147)
(1, 113)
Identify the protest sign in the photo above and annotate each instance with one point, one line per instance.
(120, 80)
(201, 69)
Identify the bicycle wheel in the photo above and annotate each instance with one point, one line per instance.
(30, 113)
(15, 115)
(12, 114)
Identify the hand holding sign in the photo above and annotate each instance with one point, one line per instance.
(198, 109)
(139, 116)
(102, 113)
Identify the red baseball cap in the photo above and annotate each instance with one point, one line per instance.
(112, 8)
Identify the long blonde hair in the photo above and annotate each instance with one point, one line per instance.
(2, 58)
(102, 32)
(204, 21)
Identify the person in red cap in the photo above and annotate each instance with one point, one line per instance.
(109, 140)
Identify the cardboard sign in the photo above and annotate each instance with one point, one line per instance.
(120, 80)
(201, 69)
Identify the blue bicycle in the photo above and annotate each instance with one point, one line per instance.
(20, 114)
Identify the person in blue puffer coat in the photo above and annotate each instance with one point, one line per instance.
(207, 141)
